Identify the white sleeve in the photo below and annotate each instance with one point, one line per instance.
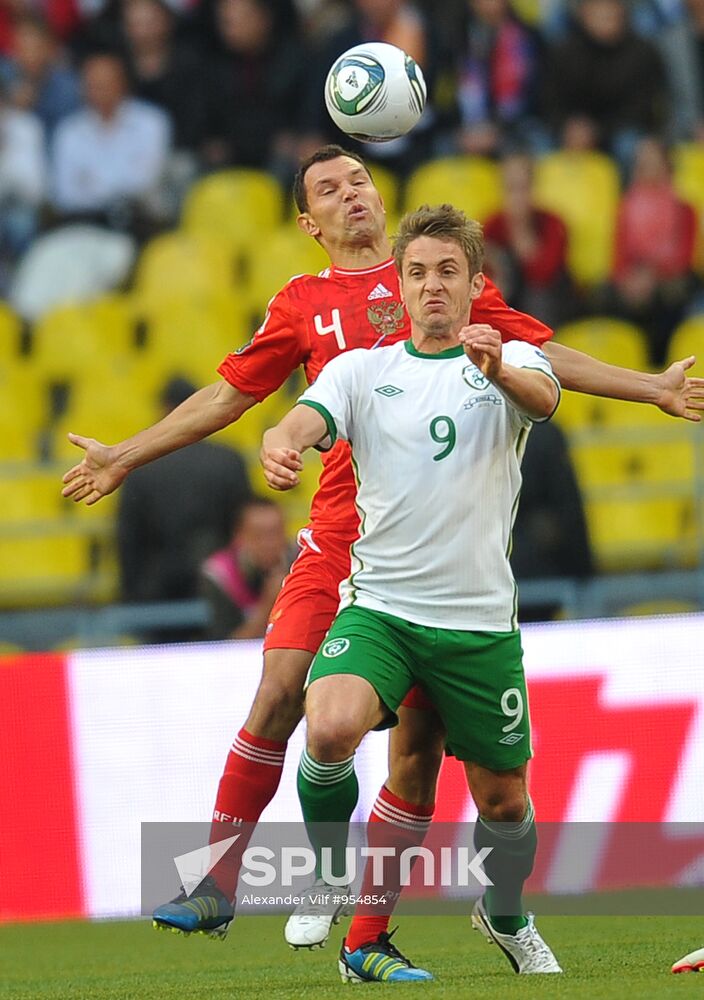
(66, 179)
(523, 355)
(24, 163)
(334, 394)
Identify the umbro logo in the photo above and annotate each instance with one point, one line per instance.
(388, 390)
(512, 738)
(380, 292)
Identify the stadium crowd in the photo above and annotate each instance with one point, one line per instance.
(114, 112)
(110, 110)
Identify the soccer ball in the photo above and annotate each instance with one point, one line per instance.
(375, 92)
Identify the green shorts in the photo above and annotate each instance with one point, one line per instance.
(474, 679)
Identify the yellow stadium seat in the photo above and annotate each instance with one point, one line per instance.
(583, 189)
(615, 342)
(43, 568)
(529, 11)
(84, 340)
(688, 162)
(32, 494)
(190, 338)
(612, 340)
(24, 411)
(578, 411)
(667, 464)
(632, 534)
(471, 183)
(639, 489)
(387, 185)
(10, 327)
(183, 264)
(237, 207)
(109, 410)
(665, 606)
(286, 252)
(687, 339)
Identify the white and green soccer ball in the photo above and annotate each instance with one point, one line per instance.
(375, 92)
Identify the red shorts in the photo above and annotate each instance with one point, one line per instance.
(308, 599)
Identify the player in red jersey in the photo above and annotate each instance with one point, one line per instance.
(355, 303)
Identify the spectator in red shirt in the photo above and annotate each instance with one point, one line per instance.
(527, 247)
(655, 235)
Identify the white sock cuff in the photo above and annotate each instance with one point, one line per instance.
(512, 831)
(320, 773)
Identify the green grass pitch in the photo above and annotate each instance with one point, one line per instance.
(628, 958)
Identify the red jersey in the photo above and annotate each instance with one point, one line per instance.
(316, 317)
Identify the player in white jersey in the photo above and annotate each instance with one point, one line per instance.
(437, 427)
(431, 425)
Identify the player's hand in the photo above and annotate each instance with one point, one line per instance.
(482, 345)
(97, 475)
(680, 395)
(281, 466)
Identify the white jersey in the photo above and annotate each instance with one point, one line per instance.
(437, 449)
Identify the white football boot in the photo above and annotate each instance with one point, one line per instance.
(526, 950)
(310, 923)
(694, 962)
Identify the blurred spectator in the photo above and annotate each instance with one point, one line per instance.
(603, 71)
(175, 512)
(165, 70)
(685, 60)
(497, 69)
(550, 537)
(533, 245)
(256, 81)
(241, 581)
(110, 157)
(23, 175)
(655, 238)
(580, 134)
(61, 16)
(396, 22)
(38, 73)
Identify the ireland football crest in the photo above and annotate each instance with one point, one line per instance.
(474, 378)
(335, 647)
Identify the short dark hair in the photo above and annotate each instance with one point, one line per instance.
(322, 155)
(253, 502)
(443, 222)
(176, 391)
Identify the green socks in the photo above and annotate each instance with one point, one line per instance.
(328, 794)
(508, 866)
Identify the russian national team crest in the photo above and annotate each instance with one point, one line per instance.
(386, 317)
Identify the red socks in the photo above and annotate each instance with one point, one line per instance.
(393, 823)
(250, 780)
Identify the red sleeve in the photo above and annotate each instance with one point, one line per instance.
(491, 308)
(277, 348)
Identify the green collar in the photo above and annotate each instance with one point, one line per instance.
(449, 352)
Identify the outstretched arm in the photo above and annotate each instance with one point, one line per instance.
(280, 455)
(104, 467)
(672, 390)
